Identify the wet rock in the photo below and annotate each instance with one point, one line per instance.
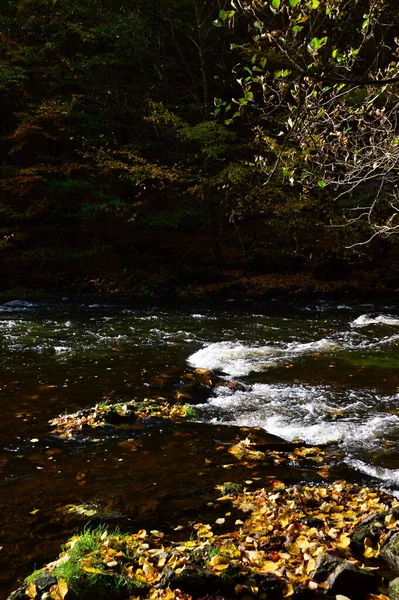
(393, 589)
(72, 513)
(325, 565)
(113, 417)
(19, 594)
(197, 582)
(44, 582)
(390, 552)
(198, 385)
(348, 579)
(344, 577)
(269, 585)
(371, 528)
(232, 385)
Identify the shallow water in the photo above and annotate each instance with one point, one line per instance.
(319, 372)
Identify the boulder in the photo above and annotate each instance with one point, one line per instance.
(197, 582)
(113, 417)
(393, 589)
(371, 528)
(390, 552)
(347, 579)
(325, 565)
(270, 585)
(344, 577)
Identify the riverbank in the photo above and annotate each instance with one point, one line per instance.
(308, 540)
(300, 287)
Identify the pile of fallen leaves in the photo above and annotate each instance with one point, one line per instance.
(106, 414)
(301, 456)
(281, 532)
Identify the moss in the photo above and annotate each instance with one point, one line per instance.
(34, 576)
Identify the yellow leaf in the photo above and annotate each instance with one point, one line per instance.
(92, 570)
(288, 590)
(344, 541)
(62, 588)
(218, 560)
(220, 567)
(293, 549)
(31, 590)
(311, 565)
(142, 534)
(269, 566)
(370, 553)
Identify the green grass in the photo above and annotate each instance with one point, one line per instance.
(191, 413)
(230, 488)
(101, 584)
(34, 576)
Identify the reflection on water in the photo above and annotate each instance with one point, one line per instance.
(319, 372)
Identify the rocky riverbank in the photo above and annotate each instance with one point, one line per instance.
(266, 540)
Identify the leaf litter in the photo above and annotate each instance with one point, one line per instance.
(282, 531)
(105, 414)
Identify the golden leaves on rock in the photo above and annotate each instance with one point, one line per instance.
(282, 532)
(70, 425)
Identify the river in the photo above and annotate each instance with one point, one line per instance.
(318, 371)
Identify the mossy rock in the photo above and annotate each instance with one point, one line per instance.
(390, 552)
(393, 589)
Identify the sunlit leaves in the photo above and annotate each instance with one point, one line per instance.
(106, 413)
(308, 520)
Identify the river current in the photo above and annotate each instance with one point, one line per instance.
(316, 371)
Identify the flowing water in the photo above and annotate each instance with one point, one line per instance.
(319, 372)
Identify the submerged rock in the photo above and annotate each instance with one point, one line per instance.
(75, 513)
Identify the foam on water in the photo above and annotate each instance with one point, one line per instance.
(389, 475)
(314, 414)
(239, 360)
(366, 320)
(19, 304)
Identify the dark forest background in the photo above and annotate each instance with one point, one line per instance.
(155, 146)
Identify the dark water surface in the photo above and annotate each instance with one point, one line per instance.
(318, 371)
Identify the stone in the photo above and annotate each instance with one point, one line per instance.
(197, 582)
(393, 589)
(344, 578)
(390, 552)
(44, 582)
(114, 418)
(371, 527)
(347, 579)
(325, 565)
(270, 585)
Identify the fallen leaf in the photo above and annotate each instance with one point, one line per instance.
(31, 591)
